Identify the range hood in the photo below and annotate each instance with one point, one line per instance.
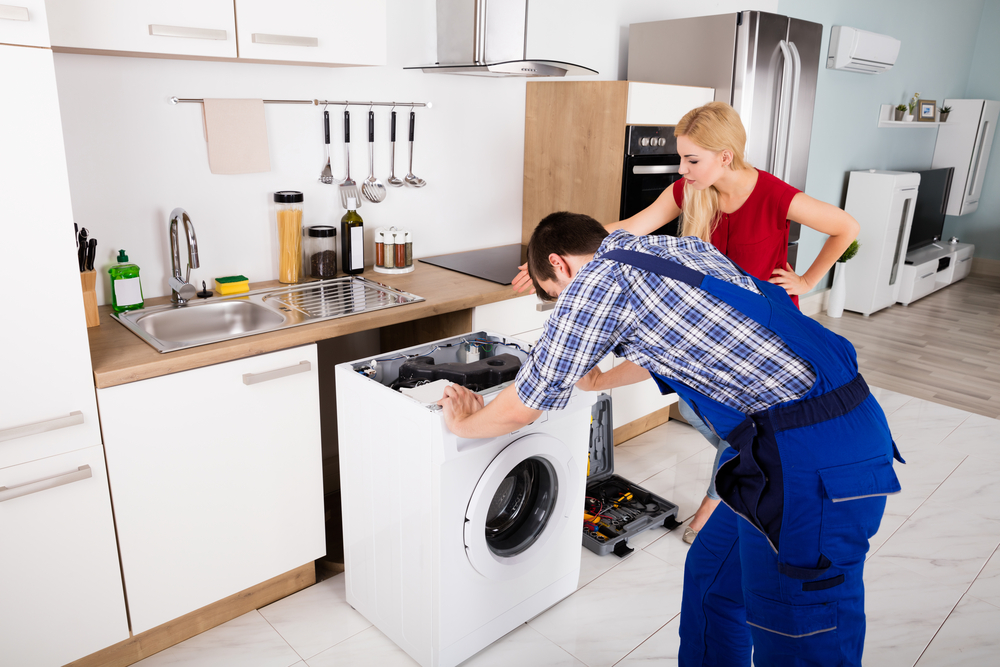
(483, 38)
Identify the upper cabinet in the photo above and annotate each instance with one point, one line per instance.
(24, 24)
(200, 28)
(964, 142)
(344, 32)
(321, 32)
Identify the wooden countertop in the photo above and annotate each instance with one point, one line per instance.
(118, 356)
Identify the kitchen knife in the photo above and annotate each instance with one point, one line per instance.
(81, 253)
(91, 253)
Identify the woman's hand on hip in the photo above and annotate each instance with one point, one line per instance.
(791, 281)
(522, 281)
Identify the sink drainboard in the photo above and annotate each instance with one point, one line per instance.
(338, 298)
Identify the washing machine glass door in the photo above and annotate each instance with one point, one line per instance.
(518, 505)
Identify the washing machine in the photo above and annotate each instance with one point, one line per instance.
(451, 543)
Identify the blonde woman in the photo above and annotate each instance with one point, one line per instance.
(742, 211)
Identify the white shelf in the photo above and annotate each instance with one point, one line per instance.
(885, 116)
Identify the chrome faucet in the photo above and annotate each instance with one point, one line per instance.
(180, 287)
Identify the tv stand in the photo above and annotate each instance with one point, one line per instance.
(932, 267)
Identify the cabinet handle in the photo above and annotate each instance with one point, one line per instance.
(965, 260)
(542, 306)
(83, 472)
(983, 131)
(254, 378)
(927, 276)
(72, 419)
(640, 169)
(181, 31)
(13, 13)
(283, 40)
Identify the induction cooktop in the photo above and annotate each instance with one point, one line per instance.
(498, 265)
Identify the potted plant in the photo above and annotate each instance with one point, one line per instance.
(944, 114)
(900, 110)
(838, 293)
(912, 105)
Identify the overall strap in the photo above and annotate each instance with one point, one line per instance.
(658, 265)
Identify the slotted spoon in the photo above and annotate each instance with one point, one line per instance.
(348, 189)
(327, 174)
(371, 187)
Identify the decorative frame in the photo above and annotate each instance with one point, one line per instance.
(926, 111)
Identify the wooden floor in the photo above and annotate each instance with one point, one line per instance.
(943, 348)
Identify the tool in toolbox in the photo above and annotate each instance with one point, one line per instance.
(615, 509)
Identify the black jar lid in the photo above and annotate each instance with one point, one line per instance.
(288, 197)
(322, 231)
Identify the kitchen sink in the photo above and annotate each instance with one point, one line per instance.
(170, 327)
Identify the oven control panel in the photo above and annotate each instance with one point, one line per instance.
(650, 140)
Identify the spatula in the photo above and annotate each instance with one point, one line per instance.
(348, 189)
(327, 174)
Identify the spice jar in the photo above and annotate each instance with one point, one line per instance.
(409, 248)
(393, 250)
(288, 206)
(320, 252)
(390, 248)
(380, 248)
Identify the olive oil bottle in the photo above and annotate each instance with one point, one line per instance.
(352, 240)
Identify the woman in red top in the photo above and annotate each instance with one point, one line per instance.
(743, 212)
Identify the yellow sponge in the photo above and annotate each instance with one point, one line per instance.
(232, 285)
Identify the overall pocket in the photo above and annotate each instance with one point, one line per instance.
(853, 504)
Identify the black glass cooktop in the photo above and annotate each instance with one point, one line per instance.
(497, 265)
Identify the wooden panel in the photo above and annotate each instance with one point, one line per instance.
(164, 636)
(574, 144)
(641, 425)
(408, 334)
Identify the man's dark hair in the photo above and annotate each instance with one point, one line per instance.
(562, 233)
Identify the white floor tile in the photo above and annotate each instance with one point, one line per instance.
(660, 650)
(245, 641)
(316, 618)
(986, 587)
(969, 637)
(889, 400)
(369, 647)
(607, 619)
(920, 424)
(523, 647)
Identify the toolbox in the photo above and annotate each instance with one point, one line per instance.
(615, 509)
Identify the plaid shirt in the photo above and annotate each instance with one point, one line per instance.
(667, 327)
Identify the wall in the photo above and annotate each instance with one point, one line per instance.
(938, 42)
(983, 226)
(133, 157)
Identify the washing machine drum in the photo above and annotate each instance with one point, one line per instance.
(519, 503)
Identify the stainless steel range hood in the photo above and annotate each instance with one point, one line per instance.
(483, 38)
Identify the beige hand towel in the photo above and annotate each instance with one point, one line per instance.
(237, 136)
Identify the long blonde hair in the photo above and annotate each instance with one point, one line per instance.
(715, 127)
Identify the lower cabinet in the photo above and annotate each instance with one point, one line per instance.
(932, 268)
(60, 586)
(216, 477)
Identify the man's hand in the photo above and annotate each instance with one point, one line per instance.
(458, 404)
(522, 281)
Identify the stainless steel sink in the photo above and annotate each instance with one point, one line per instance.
(170, 327)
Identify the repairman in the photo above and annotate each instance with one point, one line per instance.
(777, 571)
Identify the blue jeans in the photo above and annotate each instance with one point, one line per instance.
(720, 445)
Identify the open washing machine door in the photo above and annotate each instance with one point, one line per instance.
(518, 505)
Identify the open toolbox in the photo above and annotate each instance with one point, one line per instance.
(615, 509)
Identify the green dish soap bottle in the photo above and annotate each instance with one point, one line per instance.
(126, 291)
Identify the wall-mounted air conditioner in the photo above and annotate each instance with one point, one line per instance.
(861, 51)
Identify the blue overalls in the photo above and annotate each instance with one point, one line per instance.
(808, 481)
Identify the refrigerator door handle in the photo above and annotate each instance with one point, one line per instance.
(793, 108)
(781, 131)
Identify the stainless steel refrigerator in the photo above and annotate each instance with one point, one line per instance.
(765, 65)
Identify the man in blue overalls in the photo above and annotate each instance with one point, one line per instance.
(778, 570)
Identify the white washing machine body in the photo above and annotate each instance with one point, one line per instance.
(451, 543)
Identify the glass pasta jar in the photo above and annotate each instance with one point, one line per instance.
(288, 207)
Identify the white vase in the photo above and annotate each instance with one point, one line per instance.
(838, 293)
(908, 117)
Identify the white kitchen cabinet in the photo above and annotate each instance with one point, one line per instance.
(59, 577)
(199, 28)
(60, 585)
(883, 203)
(934, 267)
(964, 142)
(343, 32)
(23, 23)
(216, 495)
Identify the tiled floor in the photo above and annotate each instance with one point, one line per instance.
(933, 574)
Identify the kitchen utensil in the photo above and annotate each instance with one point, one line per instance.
(81, 252)
(410, 178)
(371, 187)
(327, 175)
(348, 188)
(91, 253)
(392, 180)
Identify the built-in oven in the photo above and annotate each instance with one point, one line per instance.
(651, 165)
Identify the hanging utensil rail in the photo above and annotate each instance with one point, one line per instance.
(358, 103)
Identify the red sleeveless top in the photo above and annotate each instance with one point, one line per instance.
(754, 236)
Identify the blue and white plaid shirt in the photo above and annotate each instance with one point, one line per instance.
(668, 327)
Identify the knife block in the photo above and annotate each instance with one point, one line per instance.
(88, 281)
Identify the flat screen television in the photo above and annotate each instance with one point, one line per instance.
(928, 210)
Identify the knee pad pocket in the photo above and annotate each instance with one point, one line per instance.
(853, 505)
(793, 621)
